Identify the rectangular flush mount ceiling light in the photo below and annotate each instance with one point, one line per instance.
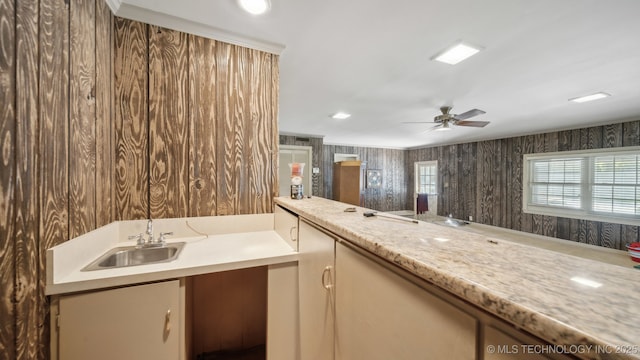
(596, 96)
(456, 53)
(340, 115)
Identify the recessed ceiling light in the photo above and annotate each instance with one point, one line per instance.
(596, 96)
(255, 7)
(340, 115)
(456, 53)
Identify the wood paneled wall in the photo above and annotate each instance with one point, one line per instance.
(107, 119)
(393, 192)
(484, 180)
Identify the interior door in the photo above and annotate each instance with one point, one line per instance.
(289, 154)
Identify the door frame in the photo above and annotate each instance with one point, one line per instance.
(308, 181)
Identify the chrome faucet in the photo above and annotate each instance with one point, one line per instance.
(150, 242)
(150, 231)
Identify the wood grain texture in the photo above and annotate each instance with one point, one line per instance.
(258, 105)
(26, 191)
(131, 120)
(82, 119)
(168, 123)
(104, 116)
(275, 96)
(202, 125)
(7, 178)
(54, 141)
(231, 139)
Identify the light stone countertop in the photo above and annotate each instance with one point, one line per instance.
(528, 286)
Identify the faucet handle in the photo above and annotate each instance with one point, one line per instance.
(137, 237)
(162, 236)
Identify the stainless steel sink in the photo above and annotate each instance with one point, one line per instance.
(133, 255)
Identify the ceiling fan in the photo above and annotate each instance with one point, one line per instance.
(445, 120)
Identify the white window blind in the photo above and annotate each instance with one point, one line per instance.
(601, 185)
(615, 184)
(556, 182)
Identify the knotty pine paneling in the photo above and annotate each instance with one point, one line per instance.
(492, 170)
(107, 119)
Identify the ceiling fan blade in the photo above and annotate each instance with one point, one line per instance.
(432, 128)
(472, 123)
(469, 114)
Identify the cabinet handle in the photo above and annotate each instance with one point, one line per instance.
(293, 238)
(167, 322)
(326, 284)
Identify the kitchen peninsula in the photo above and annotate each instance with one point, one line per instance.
(575, 306)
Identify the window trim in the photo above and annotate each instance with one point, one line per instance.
(417, 165)
(582, 214)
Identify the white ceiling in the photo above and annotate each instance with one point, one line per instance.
(371, 58)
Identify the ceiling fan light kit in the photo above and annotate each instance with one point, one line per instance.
(446, 119)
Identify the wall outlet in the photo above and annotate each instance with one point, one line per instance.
(470, 218)
(316, 170)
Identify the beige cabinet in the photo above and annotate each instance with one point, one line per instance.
(283, 331)
(285, 224)
(316, 293)
(382, 315)
(136, 322)
(348, 182)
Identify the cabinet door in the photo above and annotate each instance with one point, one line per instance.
(283, 334)
(286, 225)
(315, 281)
(137, 322)
(382, 315)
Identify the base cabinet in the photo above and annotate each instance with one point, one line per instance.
(316, 293)
(381, 315)
(136, 322)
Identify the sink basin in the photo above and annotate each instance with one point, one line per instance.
(132, 256)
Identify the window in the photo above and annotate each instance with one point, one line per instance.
(600, 185)
(427, 177)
